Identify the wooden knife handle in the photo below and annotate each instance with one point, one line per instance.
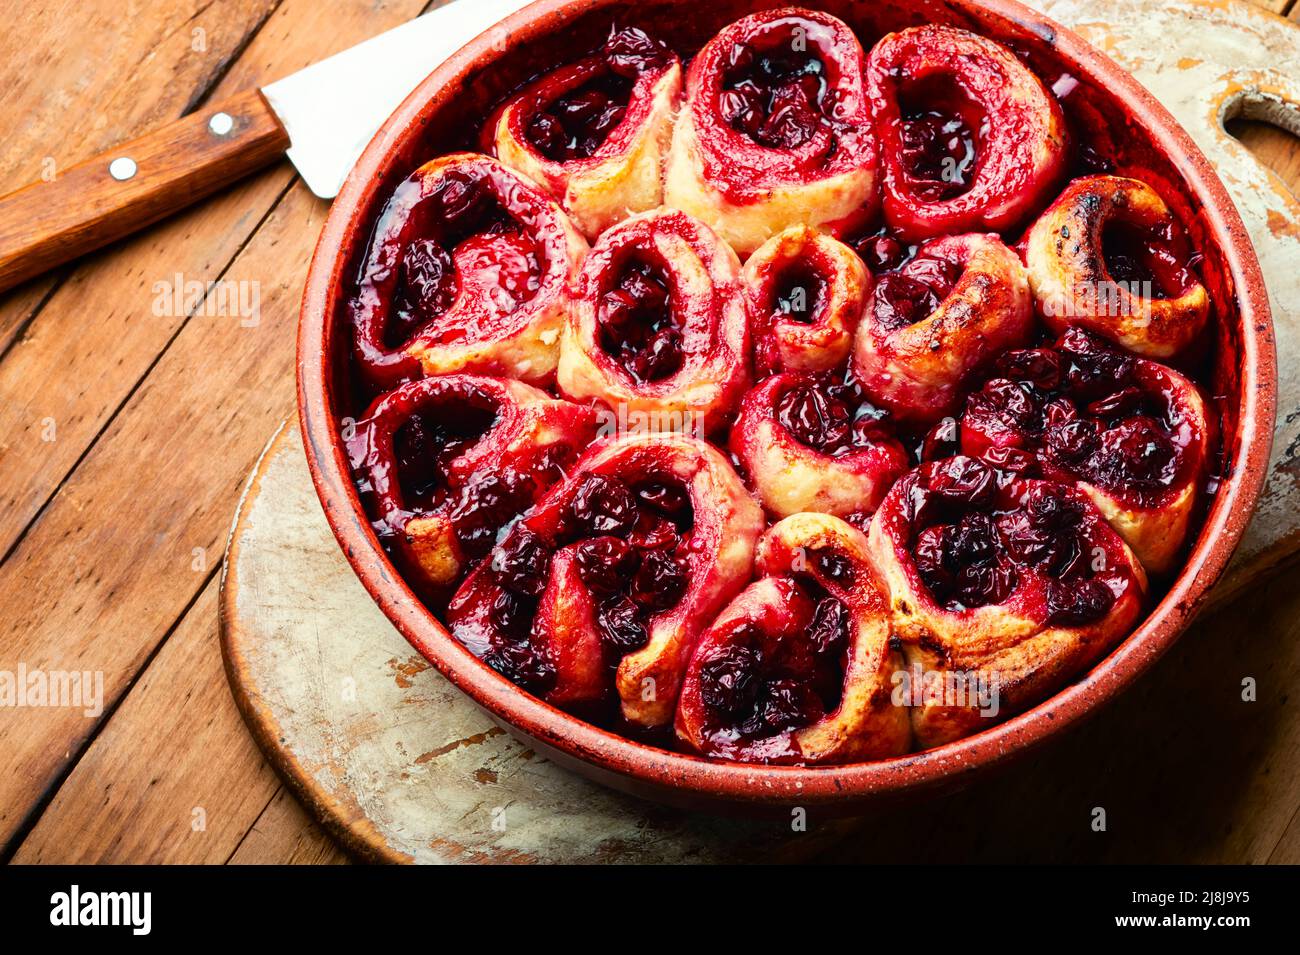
(136, 184)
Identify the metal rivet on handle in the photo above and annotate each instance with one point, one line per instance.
(122, 168)
(221, 123)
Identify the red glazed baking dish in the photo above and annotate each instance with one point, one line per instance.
(442, 114)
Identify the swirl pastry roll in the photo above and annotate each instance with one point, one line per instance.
(776, 130)
(597, 596)
(658, 328)
(1109, 256)
(934, 324)
(596, 133)
(1006, 590)
(970, 139)
(799, 667)
(468, 270)
(449, 461)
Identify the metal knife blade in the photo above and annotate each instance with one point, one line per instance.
(333, 108)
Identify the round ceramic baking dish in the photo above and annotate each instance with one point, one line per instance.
(455, 98)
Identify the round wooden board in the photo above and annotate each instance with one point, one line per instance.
(400, 766)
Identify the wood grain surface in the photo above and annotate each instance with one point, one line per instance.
(127, 427)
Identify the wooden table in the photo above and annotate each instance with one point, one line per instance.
(128, 423)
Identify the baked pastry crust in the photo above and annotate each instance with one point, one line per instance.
(791, 476)
(483, 327)
(1074, 285)
(704, 304)
(749, 192)
(716, 551)
(805, 292)
(623, 176)
(918, 370)
(1134, 434)
(1018, 129)
(780, 630)
(1019, 643)
(529, 438)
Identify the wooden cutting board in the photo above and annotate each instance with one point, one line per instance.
(399, 766)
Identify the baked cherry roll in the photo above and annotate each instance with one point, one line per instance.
(799, 666)
(599, 593)
(596, 133)
(933, 324)
(467, 270)
(811, 443)
(970, 139)
(1132, 432)
(776, 130)
(806, 292)
(658, 326)
(1109, 256)
(1001, 592)
(447, 462)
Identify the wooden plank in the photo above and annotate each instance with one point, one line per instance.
(173, 777)
(67, 99)
(66, 377)
(106, 571)
(286, 835)
(80, 79)
(103, 575)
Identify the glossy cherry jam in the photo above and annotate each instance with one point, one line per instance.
(469, 246)
(757, 687)
(903, 298)
(637, 324)
(1080, 410)
(1154, 262)
(629, 543)
(577, 124)
(972, 544)
(939, 131)
(800, 293)
(829, 414)
(777, 96)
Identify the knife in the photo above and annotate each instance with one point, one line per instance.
(321, 117)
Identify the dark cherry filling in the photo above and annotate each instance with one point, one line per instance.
(578, 123)
(478, 505)
(799, 294)
(1152, 263)
(940, 130)
(777, 95)
(882, 251)
(1080, 410)
(637, 325)
(757, 687)
(831, 415)
(901, 299)
(465, 236)
(969, 551)
(630, 542)
(428, 442)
